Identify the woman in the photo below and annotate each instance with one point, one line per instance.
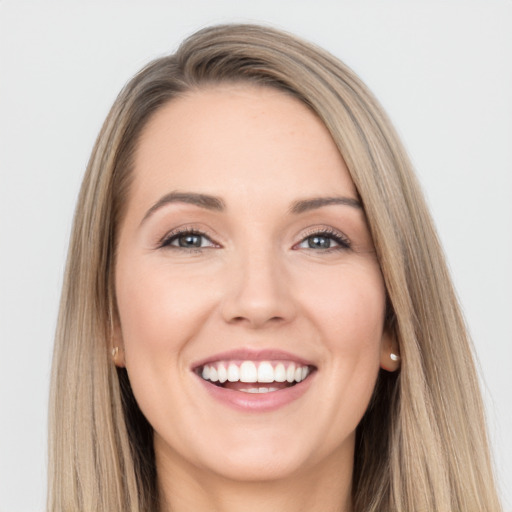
(256, 310)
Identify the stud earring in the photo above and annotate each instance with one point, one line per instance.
(394, 357)
(115, 351)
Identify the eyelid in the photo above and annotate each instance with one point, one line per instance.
(164, 241)
(339, 237)
(328, 231)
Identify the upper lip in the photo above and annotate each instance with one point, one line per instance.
(246, 354)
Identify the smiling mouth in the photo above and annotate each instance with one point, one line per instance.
(254, 376)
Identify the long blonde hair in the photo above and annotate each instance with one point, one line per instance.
(421, 445)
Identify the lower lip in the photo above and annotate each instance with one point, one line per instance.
(258, 402)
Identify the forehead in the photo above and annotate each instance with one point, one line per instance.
(250, 138)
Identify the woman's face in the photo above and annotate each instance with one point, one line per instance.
(250, 299)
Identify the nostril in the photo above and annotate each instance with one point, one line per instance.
(256, 321)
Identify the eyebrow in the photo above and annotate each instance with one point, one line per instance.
(217, 204)
(305, 205)
(201, 200)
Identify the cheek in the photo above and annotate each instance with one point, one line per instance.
(160, 312)
(357, 320)
(158, 309)
(348, 308)
(350, 319)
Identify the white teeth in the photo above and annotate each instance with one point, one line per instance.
(259, 390)
(265, 372)
(233, 373)
(280, 373)
(248, 372)
(222, 373)
(290, 373)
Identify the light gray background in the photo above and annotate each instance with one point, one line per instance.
(443, 71)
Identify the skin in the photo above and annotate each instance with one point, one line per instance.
(256, 284)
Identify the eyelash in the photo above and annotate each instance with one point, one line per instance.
(343, 243)
(174, 235)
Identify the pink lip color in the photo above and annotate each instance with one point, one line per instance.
(257, 402)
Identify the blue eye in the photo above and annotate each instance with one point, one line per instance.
(319, 242)
(187, 240)
(324, 241)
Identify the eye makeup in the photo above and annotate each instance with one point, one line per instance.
(319, 239)
(187, 238)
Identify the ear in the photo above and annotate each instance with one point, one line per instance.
(117, 346)
(389, 352)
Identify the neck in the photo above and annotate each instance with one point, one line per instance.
(321, 488)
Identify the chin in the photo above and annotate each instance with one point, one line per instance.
(258, 467)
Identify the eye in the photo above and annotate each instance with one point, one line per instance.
(324, 241)
(187, 240)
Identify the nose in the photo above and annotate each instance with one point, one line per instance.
(258, 292)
